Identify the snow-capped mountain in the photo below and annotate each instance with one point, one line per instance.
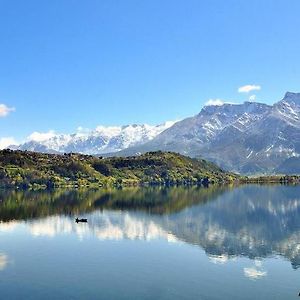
(248, 138)
(101, 140)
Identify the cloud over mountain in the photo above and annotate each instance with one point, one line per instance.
(7, 141)
(249, 88)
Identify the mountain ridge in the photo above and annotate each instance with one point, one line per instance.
(101, 140)
(247, 138)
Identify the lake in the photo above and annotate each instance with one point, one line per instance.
(151, 243)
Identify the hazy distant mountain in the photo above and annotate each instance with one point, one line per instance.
(101, 140)
(248, 138)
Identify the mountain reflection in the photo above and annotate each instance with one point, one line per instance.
(251, 221)
(103, 225)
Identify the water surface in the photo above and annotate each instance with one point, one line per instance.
(151, 243)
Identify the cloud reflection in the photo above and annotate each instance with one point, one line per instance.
(250, 221)
(255, 272)
(3, 261)
(105, 226)
(219, 259)
(9, 226)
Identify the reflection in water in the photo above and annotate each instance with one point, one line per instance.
(103, 225)
(255, 272)
(24, 205)
(3, 261)
(219, 259)
(249, 221)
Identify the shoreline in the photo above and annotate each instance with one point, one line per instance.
(261, 180)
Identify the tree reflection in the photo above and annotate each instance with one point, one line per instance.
(252, 221)
(23, 205)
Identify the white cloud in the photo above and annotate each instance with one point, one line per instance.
(252, 98)
(82, 131)
(5, 110)
(248, 88)
(41, 136)
(215, 102)
(7, 141)
(109, 131)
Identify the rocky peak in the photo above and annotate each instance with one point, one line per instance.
(292, 98)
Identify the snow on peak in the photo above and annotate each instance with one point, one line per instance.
(109, 131)
(41, 136)
(102, 139)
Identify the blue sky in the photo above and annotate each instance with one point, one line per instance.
(65, 64)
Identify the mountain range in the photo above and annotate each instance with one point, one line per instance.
(248, 138)
(101, 140)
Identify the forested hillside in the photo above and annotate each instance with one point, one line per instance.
(25, 169)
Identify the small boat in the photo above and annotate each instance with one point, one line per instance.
(81, 220)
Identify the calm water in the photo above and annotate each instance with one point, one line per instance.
(176, 243)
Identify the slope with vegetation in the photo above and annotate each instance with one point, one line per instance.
(23, 169)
